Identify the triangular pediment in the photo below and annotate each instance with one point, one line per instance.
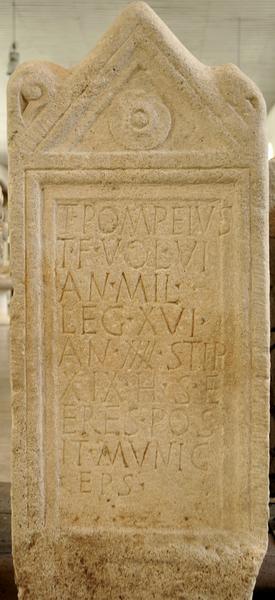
(139, 90)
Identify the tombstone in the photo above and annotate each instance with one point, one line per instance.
(272, 323)
(140, 332)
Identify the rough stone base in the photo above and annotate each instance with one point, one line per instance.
(123, 569)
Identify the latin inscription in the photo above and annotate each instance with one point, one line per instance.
(140, 356)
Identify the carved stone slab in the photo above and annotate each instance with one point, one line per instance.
(272, 321)
(140, 331)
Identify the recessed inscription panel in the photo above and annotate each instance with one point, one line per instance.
(140, 347)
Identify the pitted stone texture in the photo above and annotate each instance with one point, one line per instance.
(140, 331)
(272, 321)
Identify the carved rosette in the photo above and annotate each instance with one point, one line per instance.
(30, 91)
(139, 120)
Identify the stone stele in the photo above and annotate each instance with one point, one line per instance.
(272, 321)
(140, 330)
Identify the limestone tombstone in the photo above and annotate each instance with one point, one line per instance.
(272, 322)
(140, 331)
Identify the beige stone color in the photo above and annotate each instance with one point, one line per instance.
(140, 330)
(272, 321)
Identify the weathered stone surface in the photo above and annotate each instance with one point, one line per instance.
(272, 321)
(140, 335)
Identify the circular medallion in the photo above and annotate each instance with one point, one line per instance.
(139, 120)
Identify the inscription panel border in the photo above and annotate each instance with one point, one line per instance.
(36, 182)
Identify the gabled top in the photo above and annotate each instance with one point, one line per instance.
(139, 90)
